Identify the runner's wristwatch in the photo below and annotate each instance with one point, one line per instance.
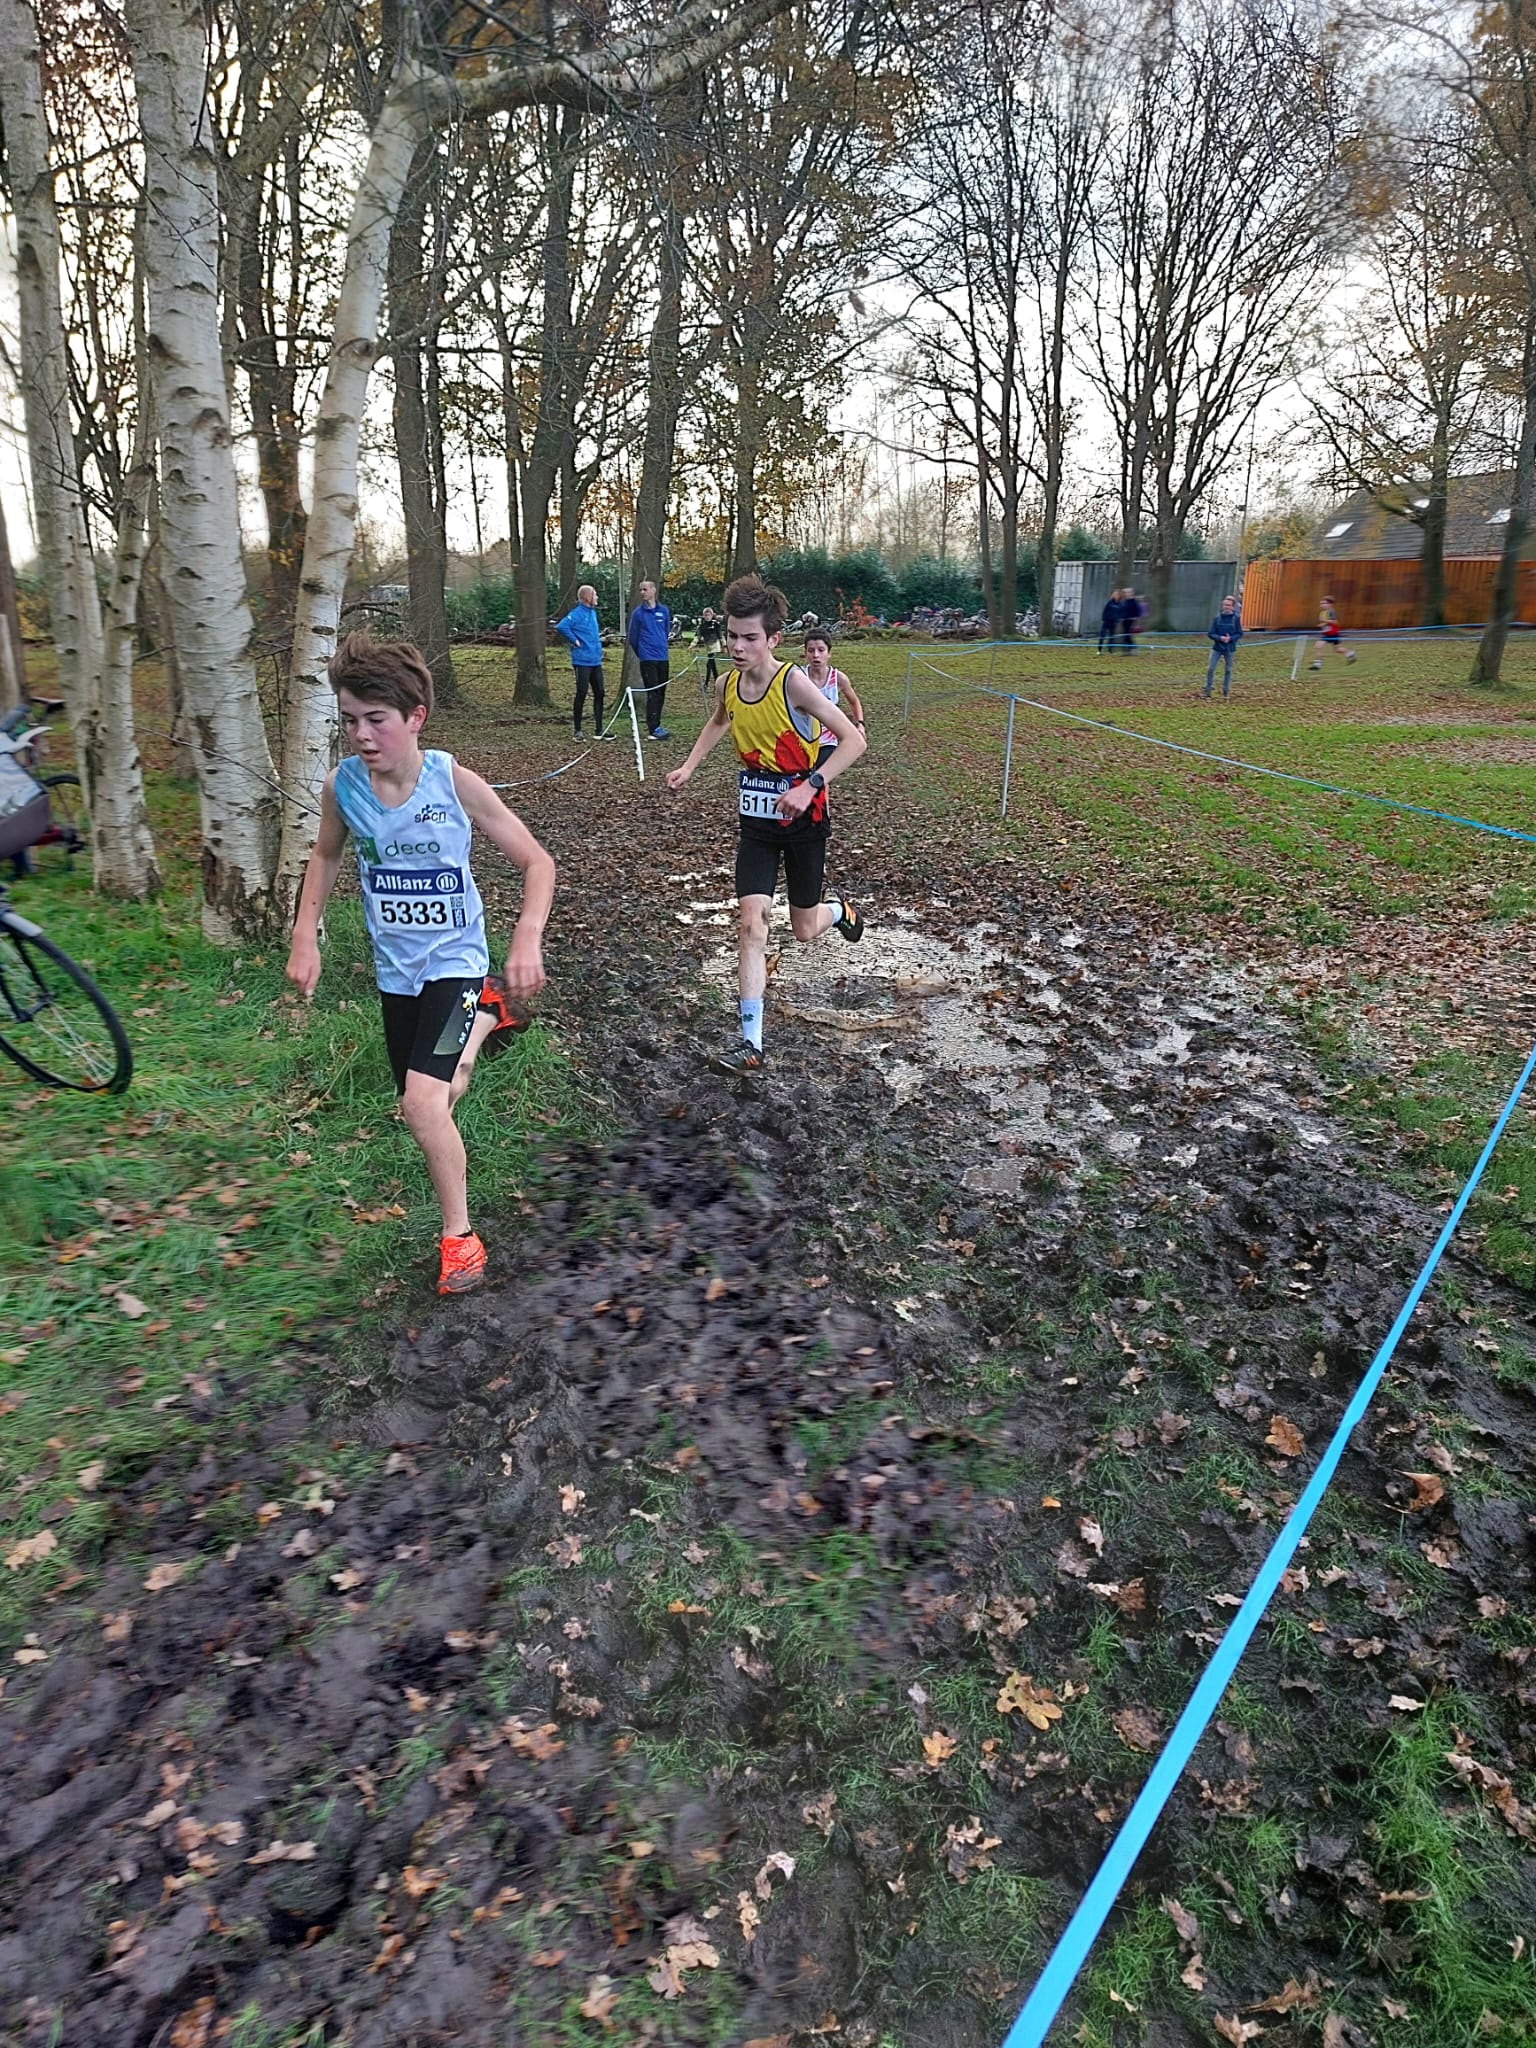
(816, 779)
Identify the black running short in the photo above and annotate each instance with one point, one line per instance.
(425, 1033)
(804, 855)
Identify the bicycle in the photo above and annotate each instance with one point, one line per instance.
(65, 830)
(55, 1023)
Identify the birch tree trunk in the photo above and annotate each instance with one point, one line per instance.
(664, 405)
(101, 719)
(199, 507)
(310, 707)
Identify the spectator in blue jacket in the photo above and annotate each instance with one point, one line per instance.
(1109, 623)
(1224, 632)
(582, 632)
(650, 638)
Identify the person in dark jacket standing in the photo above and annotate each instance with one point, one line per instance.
(1109, 623)
(650, 639)
(1224, 632)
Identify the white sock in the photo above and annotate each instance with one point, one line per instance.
(839, 909)
(752, 1020)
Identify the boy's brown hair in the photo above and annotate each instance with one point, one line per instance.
(382, 672)
(749, 597)
(821, 633)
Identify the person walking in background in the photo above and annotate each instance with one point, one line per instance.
(650, 638)
(1109, 623)
(710, 642)
(583, 634)
(1224, 632)
(1133, 616)
(1328, 633)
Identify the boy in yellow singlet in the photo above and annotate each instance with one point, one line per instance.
(775, 714)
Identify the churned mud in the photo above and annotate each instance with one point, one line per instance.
(768, 1592)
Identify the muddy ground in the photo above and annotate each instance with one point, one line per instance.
(650, 1685)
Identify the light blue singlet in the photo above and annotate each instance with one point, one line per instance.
(424, 913)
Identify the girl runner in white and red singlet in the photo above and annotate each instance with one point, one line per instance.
(831, 682)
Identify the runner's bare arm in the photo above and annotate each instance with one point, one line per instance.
(851, 743)
(714, 732)
(303, 968)
(504, 829)
(854, 705)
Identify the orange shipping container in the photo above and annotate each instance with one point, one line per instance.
(1284, 596)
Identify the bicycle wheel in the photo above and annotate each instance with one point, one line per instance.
(55, 1023)
(69, 836)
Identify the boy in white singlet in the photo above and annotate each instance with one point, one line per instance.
(776, 717)
(832, 683)
(411, 813)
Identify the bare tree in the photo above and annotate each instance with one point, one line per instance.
(1219, 222)
(623, 71)
(1403, 402)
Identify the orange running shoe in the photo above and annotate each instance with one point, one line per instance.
(509, 1021)
(463, 1265)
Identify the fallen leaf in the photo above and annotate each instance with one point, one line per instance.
(817, 1813)
(89, 1477)
(130, 1305)
(31, 1549)
(775, 1860)
(1091, 1534)
(393, 1943)
(600, 2000)
(715, 1289)
(31, 1653)
(548, 1958)
(1285, 1437)
(158, 1815)
(302, 1543)
(1193, 1973)
(1187, 1926)
(1235, 2030)
(966, 1849)
(344, 1581)
(1428, 1490)
(571, 1498)
(540, 1743)
(1290, 1997)
(1493, 1607)
(640, 1850)
(938, 1748)
(1021, 1695)
(1404, 1705)
(1138, 1727)
(747, 1916)
(285, 1852)
(117, 1628)
(191, 2028)
(163, 1575)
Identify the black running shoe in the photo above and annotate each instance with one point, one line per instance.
(745, 1058)
(850, 925)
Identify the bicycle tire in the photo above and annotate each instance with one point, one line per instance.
(56, 855)
(51, 1010)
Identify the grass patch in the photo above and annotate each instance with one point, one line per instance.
(251, 1198)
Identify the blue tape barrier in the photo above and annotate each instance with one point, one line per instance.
(1071, 1951)
(1363, 796)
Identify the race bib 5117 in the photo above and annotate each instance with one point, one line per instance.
(758, 794)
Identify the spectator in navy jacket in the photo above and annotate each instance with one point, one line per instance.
(581, 630)
(1109, 623)
(1224, 632)
(650, 638)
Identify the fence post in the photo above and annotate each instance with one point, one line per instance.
(1301, 648)
(1013, 704)
(906, 701)
(635, 728)
(992, 665)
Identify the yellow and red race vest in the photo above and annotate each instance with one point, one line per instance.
(777, 744)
